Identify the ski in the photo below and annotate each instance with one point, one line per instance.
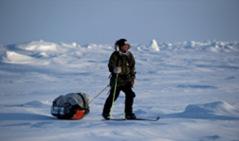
(148, 119)
(140, 119)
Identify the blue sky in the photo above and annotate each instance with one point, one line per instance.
(104, 21)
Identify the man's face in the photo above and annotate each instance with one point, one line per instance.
(124, 48)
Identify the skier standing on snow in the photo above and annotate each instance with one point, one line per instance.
(122, 67)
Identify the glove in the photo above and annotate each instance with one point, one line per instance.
(117, 70)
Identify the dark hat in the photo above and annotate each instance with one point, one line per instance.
(121, 42)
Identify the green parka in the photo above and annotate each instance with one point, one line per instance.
(127, 63)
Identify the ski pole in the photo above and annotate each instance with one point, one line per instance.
(99, 93)
(115, 87)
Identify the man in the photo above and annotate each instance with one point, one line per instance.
(122, 67)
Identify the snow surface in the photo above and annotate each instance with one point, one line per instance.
(193, 86)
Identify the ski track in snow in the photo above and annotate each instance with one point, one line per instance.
(193, 86)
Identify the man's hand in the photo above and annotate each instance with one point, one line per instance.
(117, 70)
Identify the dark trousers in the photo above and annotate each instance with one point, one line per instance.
(129, 99)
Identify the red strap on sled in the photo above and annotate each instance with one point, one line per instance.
(79, 114)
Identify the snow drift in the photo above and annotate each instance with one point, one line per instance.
(217, 110)
(214, 108)
(13, 57)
